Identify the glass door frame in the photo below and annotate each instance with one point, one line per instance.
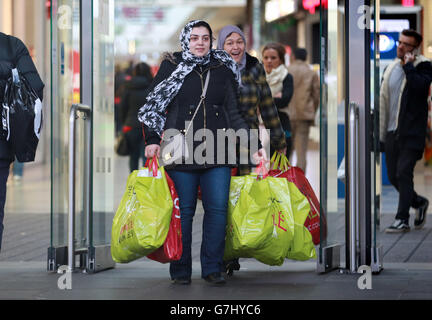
(360, 243)
(93, 248)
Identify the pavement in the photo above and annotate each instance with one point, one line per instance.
(407, 259)
(149, 280)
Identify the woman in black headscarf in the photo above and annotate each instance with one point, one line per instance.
(173, 101)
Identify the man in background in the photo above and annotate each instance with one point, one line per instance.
(403, 122)
(304, 103)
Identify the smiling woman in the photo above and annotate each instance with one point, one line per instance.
(199, 44)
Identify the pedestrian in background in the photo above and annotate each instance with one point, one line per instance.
(403, 122)
(255, 96)
(13, 54)
(304, 103)
(281, 85)
(134, 97)
(17, 172)
(173, 100)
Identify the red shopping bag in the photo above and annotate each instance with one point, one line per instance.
(172, 249)
(282, 169)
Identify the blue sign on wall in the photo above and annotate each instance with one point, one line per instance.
(388, 46)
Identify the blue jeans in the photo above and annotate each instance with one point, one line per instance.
(215, 183)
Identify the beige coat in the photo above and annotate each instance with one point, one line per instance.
(305, 100)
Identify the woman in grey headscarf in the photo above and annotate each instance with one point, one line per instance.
(255, 94)
(255, 98)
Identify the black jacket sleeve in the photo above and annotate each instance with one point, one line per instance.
(418, 79)
(287, 92)
(25, 65)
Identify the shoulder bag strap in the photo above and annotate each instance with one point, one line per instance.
(204, 92)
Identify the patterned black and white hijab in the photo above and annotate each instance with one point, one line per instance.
(152, 114)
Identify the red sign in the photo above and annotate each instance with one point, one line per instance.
(408, 3)
(311, 5)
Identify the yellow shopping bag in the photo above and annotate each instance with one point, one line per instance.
(260, 221)
(142, 220)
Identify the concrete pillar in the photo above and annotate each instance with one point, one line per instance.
(19, 22)
(427, 28)
(6, 16)
(301, 33)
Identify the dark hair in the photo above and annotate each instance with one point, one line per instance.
(280, 49)
(207, 26)
(142, 69)
(412, 33)
(300, 54)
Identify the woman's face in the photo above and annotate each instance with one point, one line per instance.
(235, 46)
(271, 60)
(199, 42)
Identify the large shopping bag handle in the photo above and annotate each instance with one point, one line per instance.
(275, 159)
(261, 170)
(152, 163)
(280, 161)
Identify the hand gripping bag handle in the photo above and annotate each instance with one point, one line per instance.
(261, 170)
(152, 163)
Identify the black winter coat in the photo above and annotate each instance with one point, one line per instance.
(134, 97)
(13, 53)
(282, 102)
(219, 110)
(413, 114)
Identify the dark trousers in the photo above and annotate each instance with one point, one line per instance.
(215, 185)
(401, 161)
(4, 173)
(137, 152)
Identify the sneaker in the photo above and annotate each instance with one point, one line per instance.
(215, 278)
(421, 214)
(398, 226)
(231, 265)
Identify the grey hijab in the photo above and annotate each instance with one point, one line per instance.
(224, 33)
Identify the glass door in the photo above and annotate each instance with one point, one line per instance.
(65, 91)
(349, 149)
(82, 54)
(377, 254)
(101, 80)
(332, 139)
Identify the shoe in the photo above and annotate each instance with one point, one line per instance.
(181, 281)
(421, 214)
(230, 266)
(215, 278)
(398, 226)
